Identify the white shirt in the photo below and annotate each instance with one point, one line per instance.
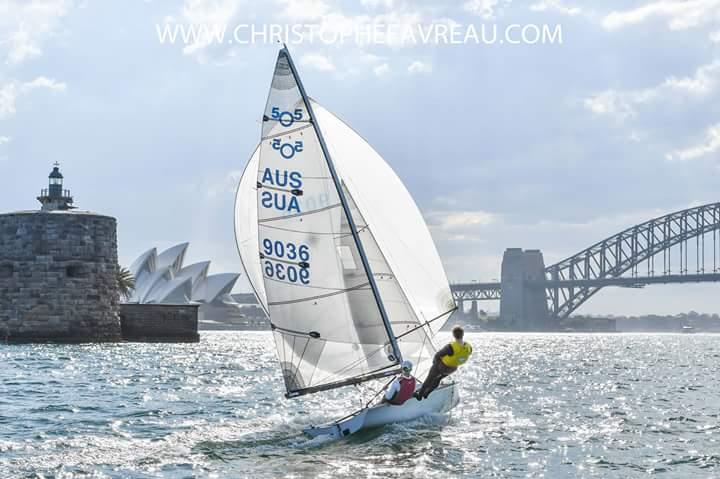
(393, 389)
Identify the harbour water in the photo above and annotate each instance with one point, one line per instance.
(544, 405)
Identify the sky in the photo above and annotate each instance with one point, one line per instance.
(550, 145)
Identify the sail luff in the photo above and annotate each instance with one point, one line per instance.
(353, 229)
(243, 261)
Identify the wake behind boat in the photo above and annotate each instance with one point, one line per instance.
(339, 257)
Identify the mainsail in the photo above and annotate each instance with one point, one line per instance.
(324, 267)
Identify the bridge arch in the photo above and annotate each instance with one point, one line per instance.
(574, 280)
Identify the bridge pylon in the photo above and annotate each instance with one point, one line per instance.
(523, 304)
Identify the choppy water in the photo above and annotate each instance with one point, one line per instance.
(532, 406)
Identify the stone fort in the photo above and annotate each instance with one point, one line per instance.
(58, 272)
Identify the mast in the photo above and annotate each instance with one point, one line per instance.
(343, 200)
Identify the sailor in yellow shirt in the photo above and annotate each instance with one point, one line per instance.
(446, 362)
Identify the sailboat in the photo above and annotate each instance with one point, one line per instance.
(339, 257)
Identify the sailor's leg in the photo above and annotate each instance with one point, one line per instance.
(434, 384)
(426, 386)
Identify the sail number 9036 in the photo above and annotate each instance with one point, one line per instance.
(287, 272)
(288, 250)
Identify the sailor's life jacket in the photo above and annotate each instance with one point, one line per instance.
(407, 388)
(460, 354)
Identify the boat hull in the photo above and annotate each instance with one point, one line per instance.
(441, 400)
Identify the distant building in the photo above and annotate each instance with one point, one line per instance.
(163, 279)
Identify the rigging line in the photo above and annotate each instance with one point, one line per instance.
(387, 384)
(422, 348)
(321, 296)
(345, 235)
(311, 212)
(288, 132)
(427, 323)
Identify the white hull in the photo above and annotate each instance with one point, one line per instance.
(441, 400)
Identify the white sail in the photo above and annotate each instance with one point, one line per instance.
(246, 228)
(327, 322)
(301, 257)
(415, 338)
(394, 218)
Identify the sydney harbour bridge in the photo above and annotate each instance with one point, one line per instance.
(681, 247)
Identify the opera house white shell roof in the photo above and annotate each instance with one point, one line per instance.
(162, 278)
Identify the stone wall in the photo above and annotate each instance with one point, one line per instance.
(159, 322)
(58, 277)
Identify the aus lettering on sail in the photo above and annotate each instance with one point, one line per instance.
(283, 184)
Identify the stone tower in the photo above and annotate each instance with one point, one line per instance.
(523, 305)
(58, 272)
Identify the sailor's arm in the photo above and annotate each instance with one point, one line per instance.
(392, 390)
(446, 351)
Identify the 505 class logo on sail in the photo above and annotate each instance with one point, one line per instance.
(286, 118)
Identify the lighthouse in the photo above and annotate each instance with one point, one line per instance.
(55, 198)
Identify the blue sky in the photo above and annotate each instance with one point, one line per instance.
(550, 146)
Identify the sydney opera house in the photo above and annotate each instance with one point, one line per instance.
(163, 278)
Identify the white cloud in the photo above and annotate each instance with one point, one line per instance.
(377, 3)
(25, 24)
(381, 69)
(44, 82)
(8, 97)
(715, 37)
(417, 67)
(454, 221)
(212, 15)
(209, 11)
(303, 9)
(555, 6)
(487, 9)
(622, 103)
(4, 140)
(318, 62)
(680, 15)
(10, 92)
(710, 145)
